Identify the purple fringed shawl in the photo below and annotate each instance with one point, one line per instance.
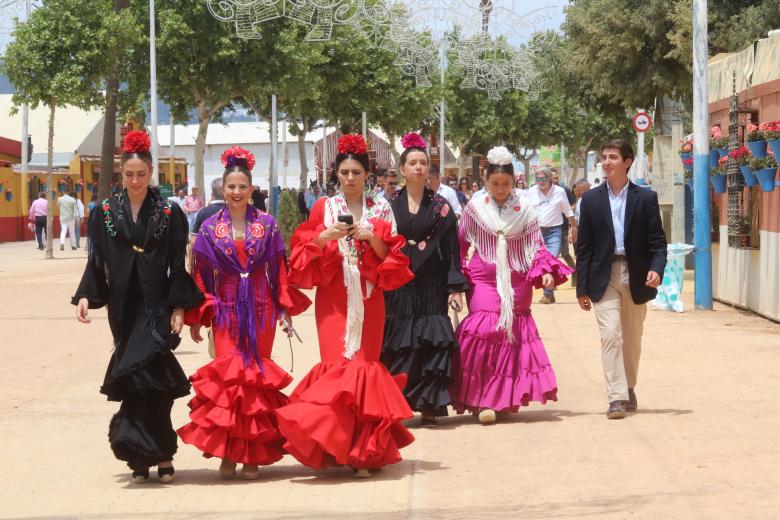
(215, 256)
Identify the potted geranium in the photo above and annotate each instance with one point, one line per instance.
(772, 136)
(742, 157)
(718, 175)
(686, 153)
(719, 143)
(765, 170)
(756, 141)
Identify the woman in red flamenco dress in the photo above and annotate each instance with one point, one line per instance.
(240, 267)
(348, 410)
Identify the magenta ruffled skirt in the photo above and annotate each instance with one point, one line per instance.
(490, 371)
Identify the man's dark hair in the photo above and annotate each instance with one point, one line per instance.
(623, 146)
(433, 171)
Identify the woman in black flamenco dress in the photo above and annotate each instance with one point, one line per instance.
(419, 340)
(138, 242)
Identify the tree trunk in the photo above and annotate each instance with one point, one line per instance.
(50, 182)
(526, 161)
(108, 148)
(462, 162)
(304, 176)
(200, 146)
(396, 156)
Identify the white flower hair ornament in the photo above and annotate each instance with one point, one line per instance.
(499, 156)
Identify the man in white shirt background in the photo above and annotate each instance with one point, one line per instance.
(68, 211)
(551, 205)
(434, 183)
(79, 219)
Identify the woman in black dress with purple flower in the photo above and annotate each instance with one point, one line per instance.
(419, 340)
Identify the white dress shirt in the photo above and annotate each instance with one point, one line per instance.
(452, 197)
(551, 207)
(617, 205)
(79, 209)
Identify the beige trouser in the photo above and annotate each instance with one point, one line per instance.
(620, 324)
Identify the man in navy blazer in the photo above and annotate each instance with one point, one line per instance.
(621, 255)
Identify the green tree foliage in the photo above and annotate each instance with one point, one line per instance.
(58, 58)
(288, 218)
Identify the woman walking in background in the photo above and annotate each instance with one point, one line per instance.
(502, 364)
(240, 267)
(137, 244)
(348, 410)
(419, 340)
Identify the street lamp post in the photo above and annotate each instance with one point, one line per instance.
(153, 87)
(702, 238)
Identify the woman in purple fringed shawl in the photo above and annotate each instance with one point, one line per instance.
(502, 364)
(240, 267)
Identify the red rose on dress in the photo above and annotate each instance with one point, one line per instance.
(421, 245)
(257, 230)
(229, 251)
(251, 251)
(167, 210)
(487, 199)
(369, 202)
(445, 210)
(516, 208)
(106, 207)
(221, 230)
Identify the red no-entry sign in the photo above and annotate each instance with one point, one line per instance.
(642, 122)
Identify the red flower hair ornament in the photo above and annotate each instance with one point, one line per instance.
(137, 141)
(413, 140)
(352, 144)
(237, 156)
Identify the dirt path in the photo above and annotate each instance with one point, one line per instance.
(704, 444)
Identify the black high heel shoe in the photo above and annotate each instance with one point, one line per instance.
(165, 474)
(139, 477)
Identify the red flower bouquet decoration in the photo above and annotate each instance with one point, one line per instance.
(352, 144)
(137, 141)
(413, 140)
(237, 156)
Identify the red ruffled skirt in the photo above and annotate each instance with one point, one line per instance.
(347, 413)
(232, 413)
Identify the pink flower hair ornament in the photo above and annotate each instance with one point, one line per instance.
(413, 140)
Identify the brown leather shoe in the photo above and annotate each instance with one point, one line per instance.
(616, 410)
(631, 404)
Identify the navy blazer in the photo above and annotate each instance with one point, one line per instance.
(644, 240)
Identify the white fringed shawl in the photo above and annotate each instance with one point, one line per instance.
(335, 206)
(508, 239)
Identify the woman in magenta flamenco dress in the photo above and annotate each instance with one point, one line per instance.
(502, 363)
(240, 267)
(348, 410)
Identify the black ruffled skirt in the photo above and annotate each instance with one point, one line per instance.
(419, 340)
(146, 377)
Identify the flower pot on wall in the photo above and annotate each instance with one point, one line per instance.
(766, 179)
(687, 160)
(714, 157)
(718, 183)
(747, 174)
(774, 145)
(757, 149)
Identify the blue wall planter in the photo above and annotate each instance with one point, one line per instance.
(723, 152)
(757, 149)
(687, 160)
(9, 196)
(774, 145)
(714, 158)
(718, 183)
(747, 174)
(766, 178)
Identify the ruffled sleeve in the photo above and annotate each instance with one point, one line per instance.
(456, 281)
(393, 271)
(310, 264)
(463, 249)
(544, 263)
(202, 314)
(290, 298)
(94, 281)
(183, 292)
